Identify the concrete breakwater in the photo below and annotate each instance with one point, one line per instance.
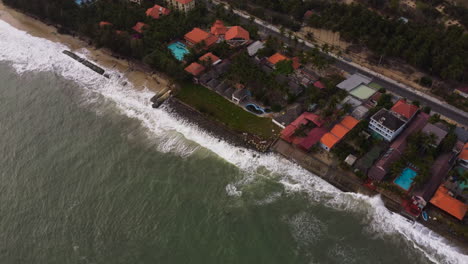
(86, 63)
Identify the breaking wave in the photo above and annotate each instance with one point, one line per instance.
(171, 132)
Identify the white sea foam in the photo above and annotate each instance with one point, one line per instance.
(27, 53)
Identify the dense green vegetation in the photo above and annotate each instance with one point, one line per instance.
(433, 48)
(222, 110)
(425, 44)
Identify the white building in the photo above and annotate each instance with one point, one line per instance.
(182, 5)
(387, 124)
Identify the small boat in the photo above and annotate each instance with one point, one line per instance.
(424, 215)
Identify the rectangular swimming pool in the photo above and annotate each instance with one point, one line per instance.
(406, 178)
(179, 50)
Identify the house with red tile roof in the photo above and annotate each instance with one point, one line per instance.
(104, 24)
(316, 131)
(405, 109)
(139, 27)
(338, 132)
(277, 57)
(195, 69)
(237, 36)
(197, 36)
(308, 14)
(182, 5)
(156, 11)
(219, 29)
(443, 200)
(210, 57)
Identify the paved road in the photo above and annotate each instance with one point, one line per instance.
(402, 90)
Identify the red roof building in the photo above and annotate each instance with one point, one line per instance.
(156, 11)
(405, 109)
(319, 85)
(338, 132)
(288, 133)
(139, 27)
(218, 28)
(197, 36)
(313, 137)
(237, 33)
(308, 14)
(195, 69)
(444, 201)
(277, 57)
(210, 57)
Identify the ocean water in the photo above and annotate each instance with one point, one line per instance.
(90, 173)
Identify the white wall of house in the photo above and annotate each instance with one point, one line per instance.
(386, 133)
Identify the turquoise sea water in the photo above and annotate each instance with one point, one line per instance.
(92, 174)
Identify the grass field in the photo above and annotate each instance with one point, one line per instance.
(222, 110)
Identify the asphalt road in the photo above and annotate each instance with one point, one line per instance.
(442, 109)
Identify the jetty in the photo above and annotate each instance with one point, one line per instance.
(86, 63)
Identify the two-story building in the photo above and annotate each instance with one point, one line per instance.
(182, 5)
(390, 123)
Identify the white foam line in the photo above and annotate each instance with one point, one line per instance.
(27, 53)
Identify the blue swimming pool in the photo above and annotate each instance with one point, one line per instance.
(179, 50)
(406, 178)
(257, 109)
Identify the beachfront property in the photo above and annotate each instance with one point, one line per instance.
(463, 156)
(289, 115)
(182, 5)
(237, 36)
(380, 169)
(338, 132)
(178, 49)
(446, 202)
(390, 123)
(305, 131)
(157, 11)
(200, 37)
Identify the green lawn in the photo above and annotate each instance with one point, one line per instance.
(226, 112)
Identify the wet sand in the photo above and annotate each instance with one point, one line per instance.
(138, 75)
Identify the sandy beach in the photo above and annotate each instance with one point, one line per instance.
(136, 74)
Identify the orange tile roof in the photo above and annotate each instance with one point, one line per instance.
(349, 122)
(184, 1)
(218, 28)
(237, 32)
(139, 27)
(209, 56)
(329, 140)
(277, 57)
(403, 108)
(296, 64)
(104, 23)
(339, 131)
(197, 35)
(156, 11)
(464, 153)
(449, 204)
(195, 69)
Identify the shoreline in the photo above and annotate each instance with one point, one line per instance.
(140, 76)
(136, 72)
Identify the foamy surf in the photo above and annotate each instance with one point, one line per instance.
(27, 53)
